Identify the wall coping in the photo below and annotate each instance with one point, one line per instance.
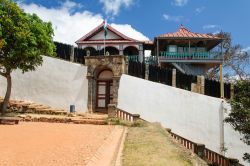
(105, 57)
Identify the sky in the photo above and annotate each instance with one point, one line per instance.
(144, 19)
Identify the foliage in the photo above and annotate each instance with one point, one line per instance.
(23, 39)
(239, 117)
(236, 60)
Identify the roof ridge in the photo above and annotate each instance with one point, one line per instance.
(184, 32)
(89, 33)
(111, 29)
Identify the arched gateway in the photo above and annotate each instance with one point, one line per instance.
(103, 76)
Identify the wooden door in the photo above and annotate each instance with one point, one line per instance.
(104, 93)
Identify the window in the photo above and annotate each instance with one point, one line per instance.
(172, 48)
(180, 49)
(201, 49)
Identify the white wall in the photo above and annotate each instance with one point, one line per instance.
(56, 83)
(100, 36)
(191, 115)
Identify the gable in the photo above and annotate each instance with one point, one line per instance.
(97, 34)
(110, 36)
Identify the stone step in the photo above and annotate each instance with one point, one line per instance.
(33, 106)
(30, 107)
(39, 107)
(44, 110)
(62, 120)
(50, 111)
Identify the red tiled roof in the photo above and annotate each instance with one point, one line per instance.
(85, 38)
(185, 33)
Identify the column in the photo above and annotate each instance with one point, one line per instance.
(72, 54)
(221, 83)
(157, 52)
(147, 71)
(174, 77)
(116, 80)
(90, 93)
(202, 85)
(120, 52)
(120, 49)
(141, 54)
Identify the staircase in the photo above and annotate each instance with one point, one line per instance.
(188, 68)
(20, 106)
(34, 112)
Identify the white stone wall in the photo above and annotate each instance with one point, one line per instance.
(100, 36)
(194, 116)
(56, 83)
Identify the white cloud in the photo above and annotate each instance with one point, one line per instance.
(113, 6)
(247, 49)
(199, 10)
(210, 26)
(180, 2)
(71, 5)
(216, 32)
(69, 27)
(172, 18)
(129, 31)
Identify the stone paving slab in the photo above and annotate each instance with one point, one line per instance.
(106, 155)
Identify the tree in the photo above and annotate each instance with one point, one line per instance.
(24, 38)
(236, 60)
(239, 117)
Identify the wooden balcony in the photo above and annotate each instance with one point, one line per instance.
(195, 57)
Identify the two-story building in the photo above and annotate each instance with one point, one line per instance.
(189, 52)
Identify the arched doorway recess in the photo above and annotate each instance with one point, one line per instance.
(104, 89)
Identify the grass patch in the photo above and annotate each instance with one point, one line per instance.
(151, 145)
(116, 121)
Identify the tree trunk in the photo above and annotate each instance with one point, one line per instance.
(7, 95)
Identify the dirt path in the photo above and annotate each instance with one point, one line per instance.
(50, 144)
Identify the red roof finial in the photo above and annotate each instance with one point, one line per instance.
(183, 29)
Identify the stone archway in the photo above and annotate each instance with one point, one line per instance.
(100, 69)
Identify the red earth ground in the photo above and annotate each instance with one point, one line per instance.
(50, 144)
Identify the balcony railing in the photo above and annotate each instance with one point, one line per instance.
(148, 60)
(194, 56)
(133, 58)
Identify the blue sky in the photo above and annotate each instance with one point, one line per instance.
(73, 18)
